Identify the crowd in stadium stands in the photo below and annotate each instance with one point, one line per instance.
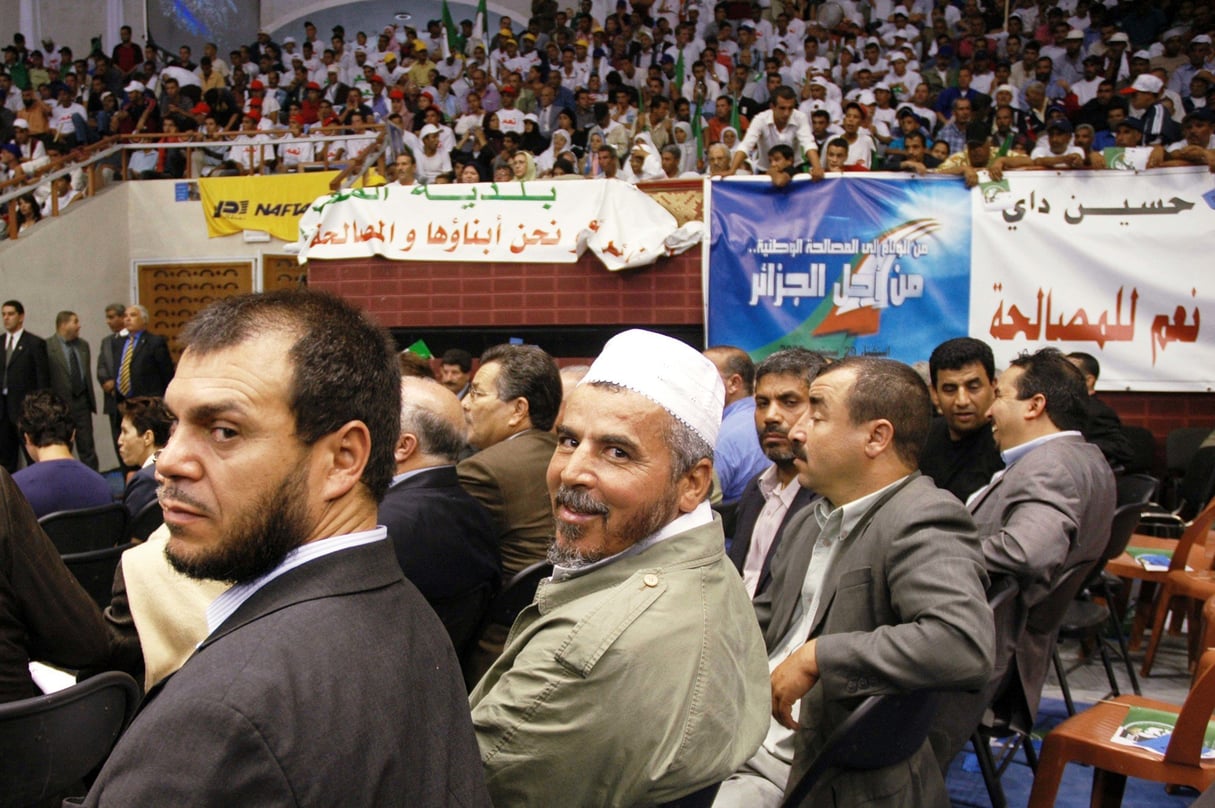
(652, 92)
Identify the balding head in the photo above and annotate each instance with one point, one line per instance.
(433, 429)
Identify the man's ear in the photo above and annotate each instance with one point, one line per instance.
(693, 487)
(343, 455)
(407, 444)
(880, 437)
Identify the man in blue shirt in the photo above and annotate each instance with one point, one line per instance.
(57, 481)
(738, 456)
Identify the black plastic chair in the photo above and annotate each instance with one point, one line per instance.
(1194, 491)
(95, 571)
(1143, 445)
(881, 732)
(697, 799)
(86, 529)
(143, 524)
(48, 744)
(518, 593)
(1139, 489)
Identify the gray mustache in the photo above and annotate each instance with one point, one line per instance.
(579, 501)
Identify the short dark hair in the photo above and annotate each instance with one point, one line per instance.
(801, 362)
(737, 361)
(528, 372)
(785, 93)
(891, 391)
(783, 149)
(1049, 373)
(916, 135)
(957, 353)
(45, 419)
(1089, 365)
(16, 304)
(837, 142)
(63, 317)
(344, 367)
(148, 413)
(457, 356)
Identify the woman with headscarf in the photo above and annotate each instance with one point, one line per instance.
(532, 140)
(548, 158)
(523, 165)
(595, 140)
(686, 142)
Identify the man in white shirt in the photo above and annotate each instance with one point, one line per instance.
(67, 117)
(780, 124)
(1058, 151)
(432, 161)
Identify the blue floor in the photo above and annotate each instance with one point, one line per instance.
(966, 783)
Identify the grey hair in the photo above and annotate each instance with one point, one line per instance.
(436, 435)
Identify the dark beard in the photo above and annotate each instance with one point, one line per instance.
(258, 542)
(642, 524)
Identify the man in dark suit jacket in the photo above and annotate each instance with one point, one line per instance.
(1103, 427)
(772, 497)
(72, 382)
(325, 679)
(151, 367)
(107, 371)
(25, 370)
(1049, 510)
(884, 576)
(444, 539)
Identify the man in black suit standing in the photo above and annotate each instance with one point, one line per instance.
(782, 390)
(107, 369)
(142, 360)
(25, 370)
(69, 359)
(444, 539)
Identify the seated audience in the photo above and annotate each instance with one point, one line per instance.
(44, 614)
(57, 481)
(143, 433)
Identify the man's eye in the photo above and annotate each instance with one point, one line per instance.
(618, 454)
(223, 433)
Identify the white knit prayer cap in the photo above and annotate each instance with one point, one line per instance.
(668, 372)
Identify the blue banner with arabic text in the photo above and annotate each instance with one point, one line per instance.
(851, 265)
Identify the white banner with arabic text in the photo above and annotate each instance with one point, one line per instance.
(541, 221)
(1112, 263)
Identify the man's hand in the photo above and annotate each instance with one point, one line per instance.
(791, 680)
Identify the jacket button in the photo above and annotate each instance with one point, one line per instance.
(650, 579)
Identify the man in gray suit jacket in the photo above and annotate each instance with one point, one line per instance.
(1048, 511)
(68, 357)
(877, 589)
(325, 678)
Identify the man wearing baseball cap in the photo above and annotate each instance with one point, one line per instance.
(1159, 128)
(638, 674)
(1058, 151)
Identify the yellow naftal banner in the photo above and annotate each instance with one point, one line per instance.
(271, 203)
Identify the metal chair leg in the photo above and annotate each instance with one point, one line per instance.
(1062, 675)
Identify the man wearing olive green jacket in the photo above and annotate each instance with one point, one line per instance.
(638, 675)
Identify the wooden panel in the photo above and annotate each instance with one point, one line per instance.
(283, 272)
(174, 293)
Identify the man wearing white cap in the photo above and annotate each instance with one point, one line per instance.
(876, 589)
(1159, 128)
(637, 676)
(432, 161)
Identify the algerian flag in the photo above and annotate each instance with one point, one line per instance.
(734, 117)
(449, 29)
(698, 130)
(679, 73)
(481, 23)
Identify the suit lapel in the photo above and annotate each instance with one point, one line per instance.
(803, 531)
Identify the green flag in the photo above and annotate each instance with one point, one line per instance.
(449, 28)
(420, 348)
(698, 129)
(481, 23)
(734, 117)
(679, 73)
